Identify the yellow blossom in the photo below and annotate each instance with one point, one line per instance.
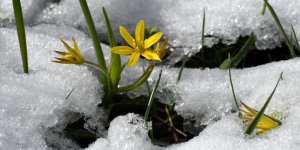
(266, 122)
(162, 51)
(73, 57)
(139, 45)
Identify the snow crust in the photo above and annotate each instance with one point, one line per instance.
(31, 101)
(205, 96)
(181, 21)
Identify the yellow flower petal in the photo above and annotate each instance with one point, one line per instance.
(139, 31)
(162, 51)
(60, 53)
(153, 39)
(126, 36)
(73, 57)
(76, 49)
(71, 51)
(124, 50)
(150, 55)
(133, 59)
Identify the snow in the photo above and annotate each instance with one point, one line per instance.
(29, 101)
(129, 130)
(32, 103)
(182, 21)
(205, 96)
(225, 21)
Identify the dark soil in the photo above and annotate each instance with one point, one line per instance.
(214, 56)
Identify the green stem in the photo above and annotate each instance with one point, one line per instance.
(151, 98)
(21, 33)
(277, 21)
(202, 37)
(115, 61)
(99, 54)
(257, 118)
(139, 81)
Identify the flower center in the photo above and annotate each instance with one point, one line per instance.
(138, 45)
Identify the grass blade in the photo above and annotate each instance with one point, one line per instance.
(238, 57)
(232, 89)
(138, 82)
(256, 120)
(115, 62)
(295, 37)
(21, 33)
(277, 21)
(264, 9)
(146, 117)
(147, 85)
(202, 36)
(182, 67)
(99, 53)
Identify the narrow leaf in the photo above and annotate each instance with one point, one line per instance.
(256, 120)
(232, 89)
(295, 37)
(151, 98)
(202, 36)
(185, 59)
(139, 81)
(115, 62)
(277, 21)
(98, 50)
(238, 57)
(264, 9)
(21, 33)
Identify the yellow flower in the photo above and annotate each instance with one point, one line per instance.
(139, 45)
(162, 51)
(73, 57)
(266, 122)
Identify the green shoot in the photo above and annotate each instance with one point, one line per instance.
(115, 62)
(256, 120)
(238, 57)
(138, 82)
(294, 36)
(232, 89)
(98, 51)
(146, 117)
(277, 21)
(147, 85)
(21, 33)
(263, 10)
(202, 36)
(185, 59)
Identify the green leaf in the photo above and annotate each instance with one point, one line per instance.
(295, 37)
(21, 33)
(277, 21)
(202, 36)
(139, 81)
(151, 97)
(115, 62)
(238, 57)
(256, 120)
(264, 9)
(185, 59)
(232, 89)
(99, 53)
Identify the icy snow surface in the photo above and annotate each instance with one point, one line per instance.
(205, 96)
(31, 101)
(181, 20)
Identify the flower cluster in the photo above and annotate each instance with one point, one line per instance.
(140, 46)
